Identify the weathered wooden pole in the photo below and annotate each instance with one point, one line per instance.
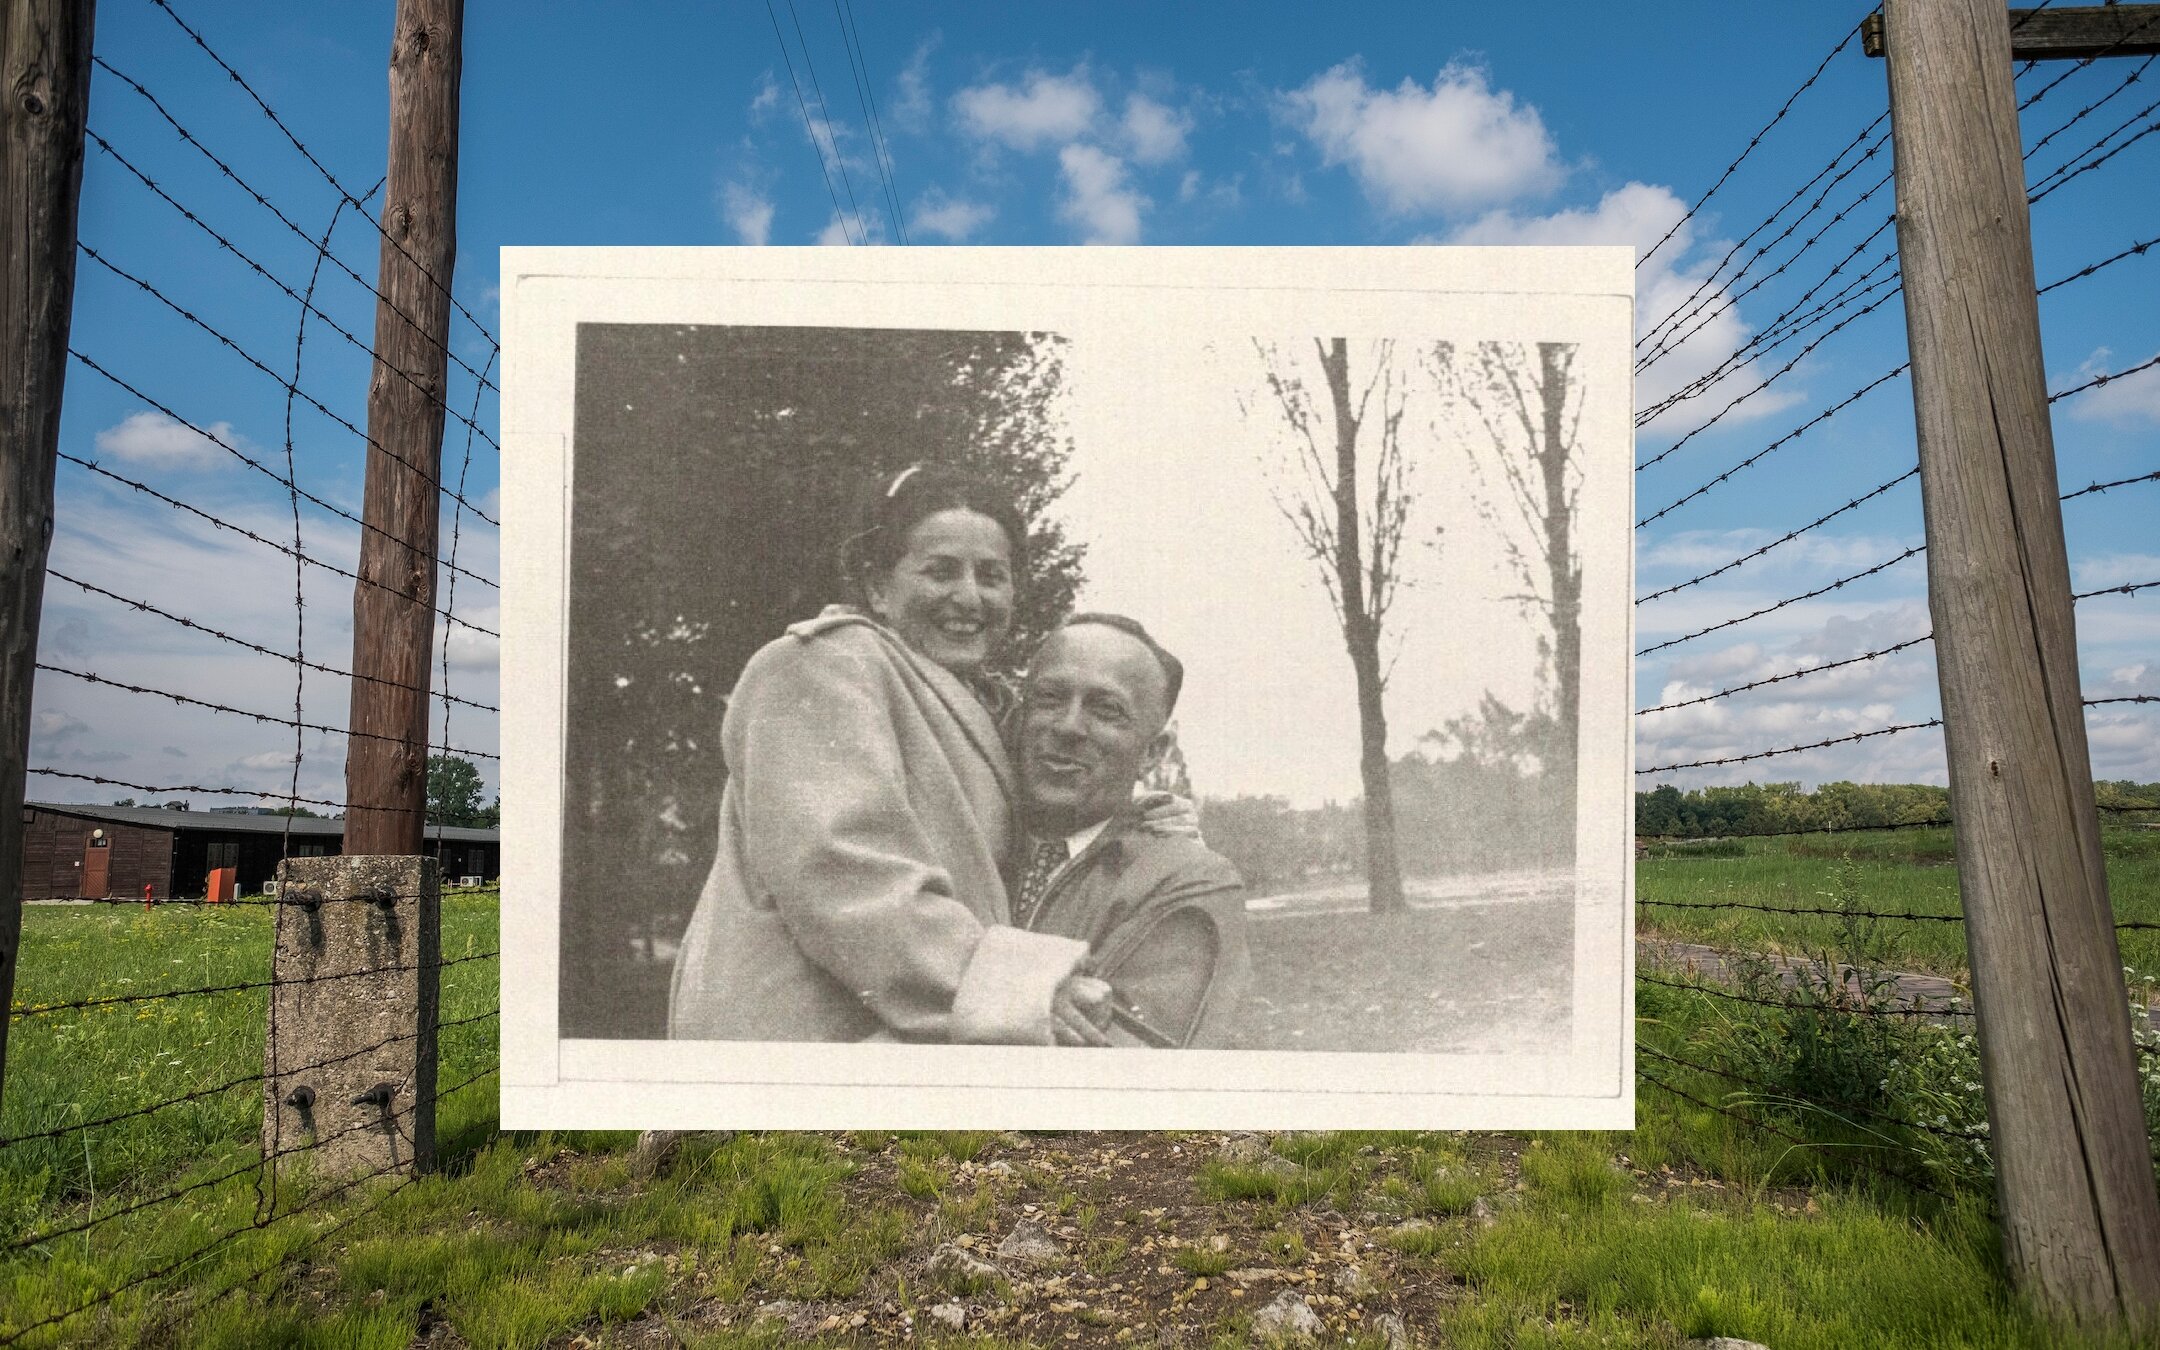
(394, 601)
(2080, 1220)
(44, 104)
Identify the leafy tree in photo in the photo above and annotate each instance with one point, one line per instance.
(716, 472)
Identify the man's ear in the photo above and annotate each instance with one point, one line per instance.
(1156, 749)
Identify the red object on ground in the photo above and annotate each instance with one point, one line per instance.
(149, 890)
(224, 883)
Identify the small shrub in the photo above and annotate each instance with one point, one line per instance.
(1201, 1261)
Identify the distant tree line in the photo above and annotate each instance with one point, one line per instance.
(1475, 796)
(1473, 799)
(1759, 808)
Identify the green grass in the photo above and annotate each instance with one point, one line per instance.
(1693, 1224)
(1850, 1275)
(69, 1066)
(1902, 871)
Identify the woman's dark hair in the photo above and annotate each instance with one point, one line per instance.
(892, 507)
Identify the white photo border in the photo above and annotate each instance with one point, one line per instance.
(1579, 295)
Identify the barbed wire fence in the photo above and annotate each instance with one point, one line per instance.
(130, 1171)
(1817, 995)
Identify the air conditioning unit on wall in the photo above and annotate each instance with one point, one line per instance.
(468, 881)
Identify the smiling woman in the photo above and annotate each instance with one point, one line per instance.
(857, 894)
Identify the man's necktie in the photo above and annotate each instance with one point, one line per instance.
(1043, 863)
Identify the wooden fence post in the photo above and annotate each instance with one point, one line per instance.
(44, 104)
(394, 602)
(2080, 1220)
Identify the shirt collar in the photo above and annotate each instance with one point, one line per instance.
(1077, 842)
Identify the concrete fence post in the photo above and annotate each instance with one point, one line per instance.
(349, 1063)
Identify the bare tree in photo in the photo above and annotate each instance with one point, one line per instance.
(1528, 480)
(1343, 487)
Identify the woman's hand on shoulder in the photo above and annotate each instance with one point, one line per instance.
(1167, 814)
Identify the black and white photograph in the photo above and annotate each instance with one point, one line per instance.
(1066, 688)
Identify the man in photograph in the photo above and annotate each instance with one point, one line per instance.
(1163, 916)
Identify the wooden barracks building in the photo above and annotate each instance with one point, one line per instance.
(90, 852)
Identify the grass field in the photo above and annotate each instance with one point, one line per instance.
(1692, 1225)
(1902, 872)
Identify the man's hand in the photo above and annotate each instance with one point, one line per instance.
(1080, 1013)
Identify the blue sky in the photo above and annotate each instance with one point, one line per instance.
(680, 124)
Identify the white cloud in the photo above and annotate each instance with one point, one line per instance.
(1098, 198)
(911, 110)
(1225, 194)
(2134, 398)
(950, 218)
(1887, 690)
(1455, 147)
(1045, 110)
(842, 230)
(1154, 131)
(2113, 569)
(1675, 285)
(748, 212)
(153, 439)
(51, 727)
(767, 98)
(1821, 555)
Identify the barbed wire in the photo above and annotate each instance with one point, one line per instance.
(328, 177)
(290, 387)
(1725, 298)
(2120, 482)
(78, 1005)
(2065, 173)
(1749, 149)
(92, 677)
(1858, 735)
(1664, 331)
(260, 1221)
(2127, 588)
(1794, 831)
(2084, 61)
(457, 532)
(810, 129)
(1789, 324)
(306, 559)
(1824, 589)
(146, 607)
(201, 1094)
(1902, 1178)
(859, 64)
(1774, 376)
(273, 475)
(1786, 538)
(2107, 377)
(1790, 1005)
(1818, 911)
(324, 254)
(1856, 1107)
(1804, 671)
(1795, 749)
(242, 901)
(1825, 415)
(2139, 249)
(2089, 109)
